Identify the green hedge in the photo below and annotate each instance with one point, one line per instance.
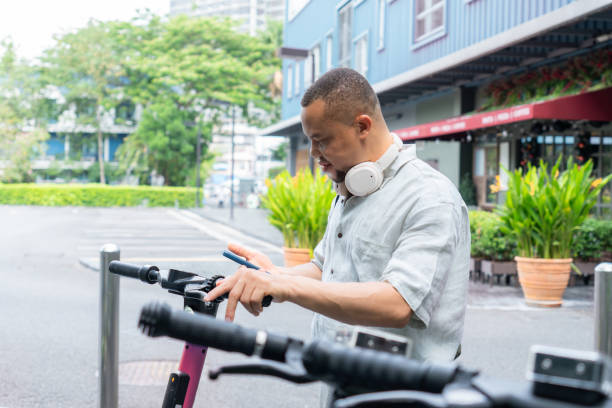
(95, 195)
(488, 241)
(592, 240)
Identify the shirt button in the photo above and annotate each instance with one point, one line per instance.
(331, 271)
(339, 235)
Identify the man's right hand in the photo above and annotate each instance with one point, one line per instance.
(255, 257)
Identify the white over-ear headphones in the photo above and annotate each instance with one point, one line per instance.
(367, 177)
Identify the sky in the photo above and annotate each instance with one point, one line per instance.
(32, 23)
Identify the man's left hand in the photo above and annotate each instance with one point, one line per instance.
(249, 287)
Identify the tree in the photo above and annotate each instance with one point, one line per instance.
(199, 62)
(164, 142)
(21, 137)
(87, 64)
(280, 152)
(188, 70)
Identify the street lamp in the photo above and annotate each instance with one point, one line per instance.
(198, 158)
(231, 106)
(232, 171)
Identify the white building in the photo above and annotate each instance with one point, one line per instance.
(253, 13)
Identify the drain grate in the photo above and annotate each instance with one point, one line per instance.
(146, 372)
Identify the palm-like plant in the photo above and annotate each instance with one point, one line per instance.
(299, 207)
(544, 208)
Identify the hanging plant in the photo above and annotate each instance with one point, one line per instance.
(579, 74)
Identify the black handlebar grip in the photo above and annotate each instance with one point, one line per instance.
(266, 301)
(374, 369)
(134, 271)
(157, 319)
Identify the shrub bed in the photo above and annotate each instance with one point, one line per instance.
(592, 240)
(95, 195)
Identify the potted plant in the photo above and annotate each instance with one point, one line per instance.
(543, 209)
(298, 209)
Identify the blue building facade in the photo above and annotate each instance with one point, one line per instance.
(430, 60)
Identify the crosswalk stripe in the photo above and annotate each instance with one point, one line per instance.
(220, 231)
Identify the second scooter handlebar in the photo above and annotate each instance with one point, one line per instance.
(366, 369)
(157, 319)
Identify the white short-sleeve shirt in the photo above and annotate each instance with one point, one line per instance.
(413, 233)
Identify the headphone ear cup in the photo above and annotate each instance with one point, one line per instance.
(363, 179)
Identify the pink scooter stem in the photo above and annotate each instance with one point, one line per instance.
(192, 363)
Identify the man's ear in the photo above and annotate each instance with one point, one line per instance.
(364, 124)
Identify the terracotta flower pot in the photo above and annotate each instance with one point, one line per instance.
(296, 256)
(543, 280)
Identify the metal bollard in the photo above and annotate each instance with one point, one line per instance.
(109, 333)
(603, 308)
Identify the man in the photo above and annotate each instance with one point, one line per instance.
(396, 249)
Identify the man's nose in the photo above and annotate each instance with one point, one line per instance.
(314, 151)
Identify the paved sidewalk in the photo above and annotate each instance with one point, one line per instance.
(481, 296)
(253, 222)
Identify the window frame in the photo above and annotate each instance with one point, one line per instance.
(296, 75)
(364, 54)
(308, 70)
(431, 35)
(312, 65)
(344, 36)
(329, 51)
(382, 24)
(290, 81)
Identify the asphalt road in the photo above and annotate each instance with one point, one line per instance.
(49, 320)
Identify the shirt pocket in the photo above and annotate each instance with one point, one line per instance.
(370, 258)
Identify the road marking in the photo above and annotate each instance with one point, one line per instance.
(177, 259)
(519, 304)
(94, 263)
(220, 231)
(153, 247)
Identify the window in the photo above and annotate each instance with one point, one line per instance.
(344, 35)
(316, 61)
(361, 55)
(486, 167)
(297, 79)
(381, 23)
(429, 18)
(85, 107)
(312, 66)
(308, 71)
(601, 146)
(289, 81)
(124, 112)
(328, 53)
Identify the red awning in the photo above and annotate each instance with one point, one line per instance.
(596, 106)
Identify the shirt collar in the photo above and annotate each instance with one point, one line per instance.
(406, 154)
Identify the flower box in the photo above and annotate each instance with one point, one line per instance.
(587, 270)
(496, 270)
(475, 268)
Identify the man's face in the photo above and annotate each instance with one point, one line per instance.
(333, 144)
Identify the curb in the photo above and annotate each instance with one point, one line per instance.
(89, 264)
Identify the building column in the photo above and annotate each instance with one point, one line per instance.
(67, 146)
(293, 146)
(106, 149)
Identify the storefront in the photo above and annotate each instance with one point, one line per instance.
(577, 126)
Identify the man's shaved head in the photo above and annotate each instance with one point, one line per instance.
(346, 94)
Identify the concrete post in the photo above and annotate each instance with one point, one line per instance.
(109, 333)
(603, 308)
